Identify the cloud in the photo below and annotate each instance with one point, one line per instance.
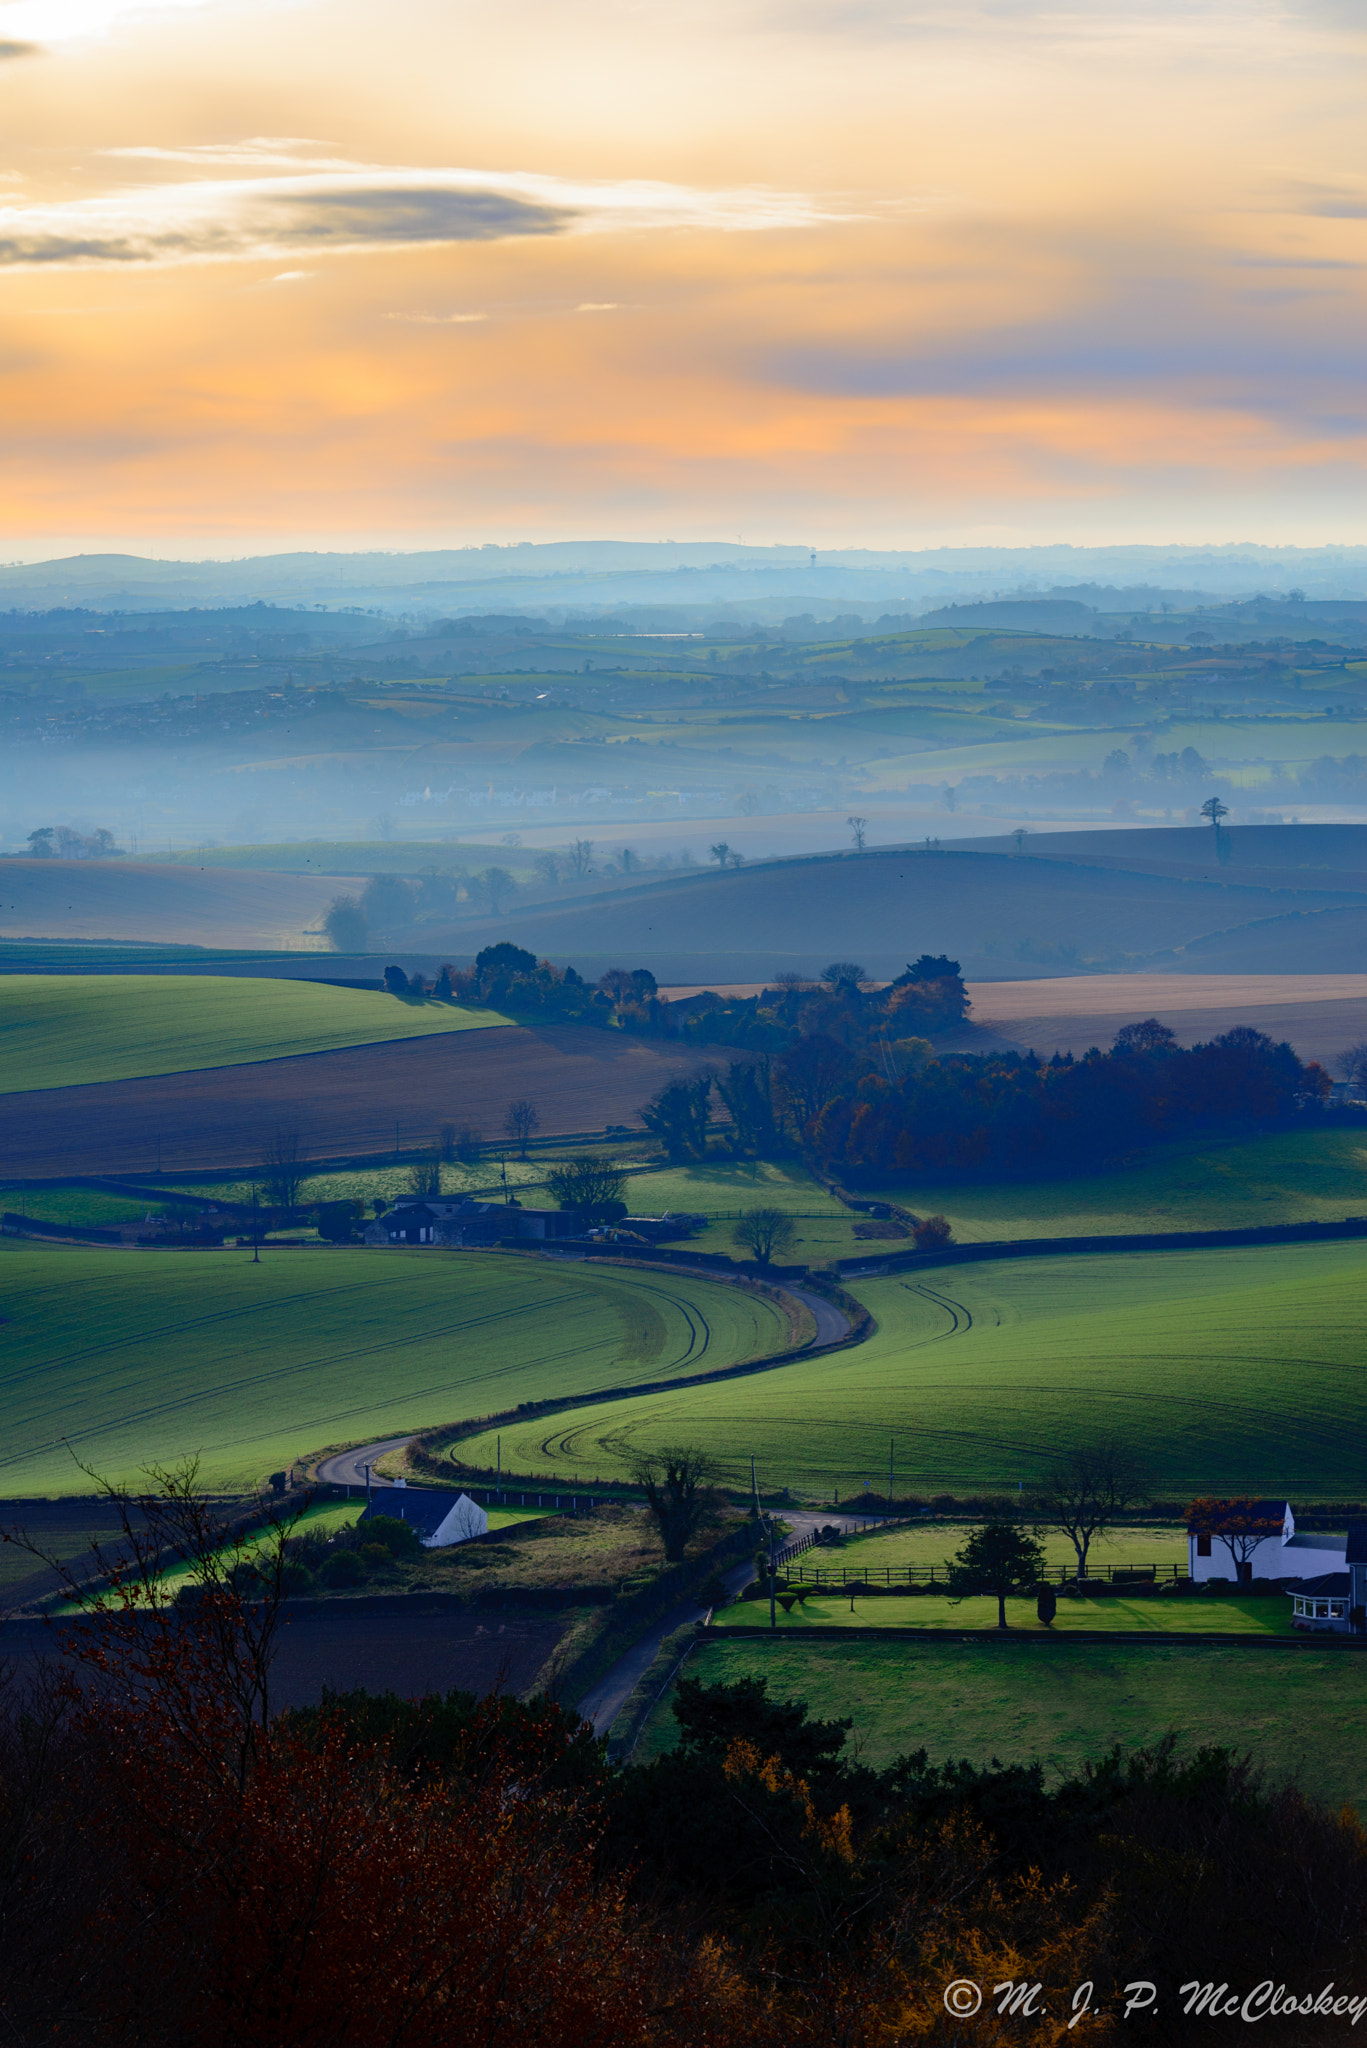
(351, 208)
(598, 306)
(438, 319)
(8, 50)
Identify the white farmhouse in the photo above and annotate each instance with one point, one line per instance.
(1281, 1554)
(439, 1518)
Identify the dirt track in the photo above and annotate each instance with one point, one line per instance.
(342, 1104)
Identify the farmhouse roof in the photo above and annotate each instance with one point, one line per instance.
(424, 1509)
(1356, 1549)
(1331, 1545)
(1329, 1584)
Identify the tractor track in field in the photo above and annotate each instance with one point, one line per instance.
(960, 1315)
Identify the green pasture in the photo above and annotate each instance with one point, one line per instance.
(1233, 1371)
(922, 1544)
(1298, 1177)
(91, 1208)
(123, 1359)
(722, 1188)
(1028, 1702)
(1156, 1614)
(58, 1031)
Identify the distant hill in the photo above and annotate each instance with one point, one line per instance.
(1001, 914)
(127, 899)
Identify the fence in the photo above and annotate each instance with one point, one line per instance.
(935, 1575)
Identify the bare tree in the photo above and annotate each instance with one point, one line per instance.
(220, 1627)
(1352, 1064)
(446, 1143)
(859, 828)
(469, 1144)
(844, 977)
(677, 1484)
(520, 1120)
(591, 1185)
(283, 1175)
(762, 1232)
(579, 859)
(1087, 1488)
(424, 1179)
(547, 866)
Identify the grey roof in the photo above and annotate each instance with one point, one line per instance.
(1316, 1541)
(426, 1510)
(1337, 1585)
(1356, 1552)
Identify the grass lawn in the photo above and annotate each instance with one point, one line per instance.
(1298, 1177)
(1239, 1371)
(929, 1543)
(1020, 1704)
(1177, 1614)
(61, 1030)
(131, 1357)
(723, 1188)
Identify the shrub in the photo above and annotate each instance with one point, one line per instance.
(343, 1568)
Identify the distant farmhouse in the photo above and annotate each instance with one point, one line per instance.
(1325, 1576)
(439, 1518)
(434, 1220)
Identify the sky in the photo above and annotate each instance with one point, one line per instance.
(896, 273)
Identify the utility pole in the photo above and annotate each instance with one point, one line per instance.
(773, 1568)
(498, 1470)
(256, 1228)
(891, 1441)
(367, 1486)
(754, 1489)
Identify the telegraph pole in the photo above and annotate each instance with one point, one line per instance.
(891, 1441)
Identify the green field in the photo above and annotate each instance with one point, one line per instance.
(722, 1188)
(1162, 1614)
(1236, 1371)
(58, 1031)
(922, 1544)
(1299, 1177)
(134, 1357)
(1023, 1702)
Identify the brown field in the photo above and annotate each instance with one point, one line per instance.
(126, 899)
(342, 1104)
(1319, 1013)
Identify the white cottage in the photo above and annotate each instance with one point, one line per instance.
(1281, 1554)
(439, 1518)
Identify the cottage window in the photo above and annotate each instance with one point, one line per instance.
(1203, 1546)
(1321, 1610)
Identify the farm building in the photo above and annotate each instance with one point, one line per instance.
(1336, 1601)
(1281, 1554)
(465, 1222)
(439, 1518)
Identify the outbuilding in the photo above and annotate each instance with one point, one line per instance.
(440, 1519)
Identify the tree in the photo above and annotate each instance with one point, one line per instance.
(811, 1072)
(678, 1115)
(1351, 1065)
(746, 1089)
(395, 980)
(930, 967)
(282, 1176)
(520, 1120)
(998, 1558)
(1148, 1036)
(345, 925)
(712, 1717)
(762, 1232)
(590, 1185)
(677, 1484)
(40, 843)
(1086, 1488)
(859, 828)
(336, 1221)
(932, 1232)
(579, 859)
(720, 853)
(1241, 1525)
(469, 1144)
(1213, 809)
(497, 886)
(424, 1179)
(388, 903)
(446, 1144)
(547, 867)
(503, 961)
(844, 977)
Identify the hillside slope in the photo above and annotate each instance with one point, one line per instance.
(127, 899)
(995, 912)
